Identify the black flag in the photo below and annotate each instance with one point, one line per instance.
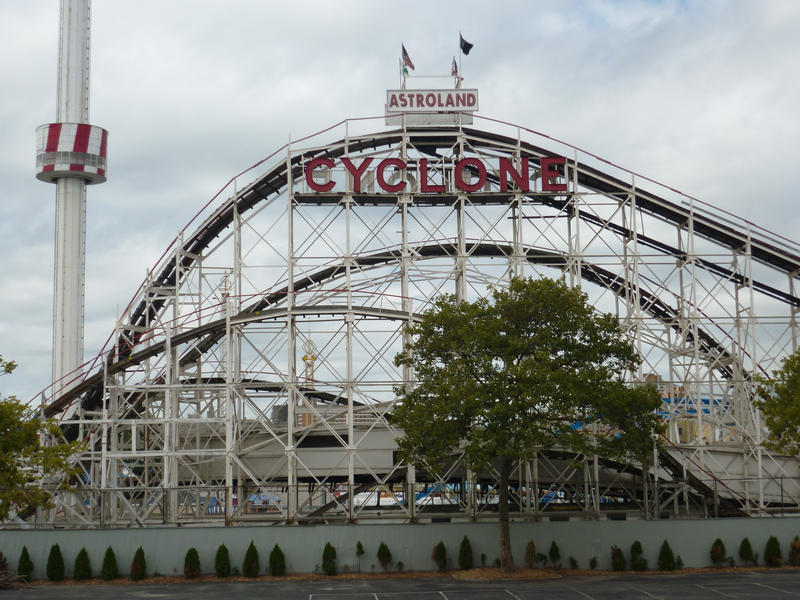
(465, 45)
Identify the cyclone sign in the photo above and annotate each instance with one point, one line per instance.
(466, 175)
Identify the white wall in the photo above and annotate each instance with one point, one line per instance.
(412, 544)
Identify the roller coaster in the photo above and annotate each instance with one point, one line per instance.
(256, 360)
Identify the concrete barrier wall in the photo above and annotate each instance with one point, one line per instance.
(412, 544)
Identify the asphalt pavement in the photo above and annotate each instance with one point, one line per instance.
(693, 586)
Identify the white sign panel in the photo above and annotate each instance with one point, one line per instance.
(426, 101)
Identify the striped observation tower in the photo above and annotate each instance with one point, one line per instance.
(71, 153)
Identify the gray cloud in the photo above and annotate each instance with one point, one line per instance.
(699, 95)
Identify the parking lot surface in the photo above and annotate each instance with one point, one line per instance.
(701, 586)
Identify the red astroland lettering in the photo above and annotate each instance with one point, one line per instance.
(549, 171)
(479, 166)
(319, 187)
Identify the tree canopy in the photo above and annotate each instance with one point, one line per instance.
(532, 367)
(24, 460)
(780, 403)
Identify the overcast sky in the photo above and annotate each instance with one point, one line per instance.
(700, 95)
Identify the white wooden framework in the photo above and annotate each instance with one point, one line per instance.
(252, 377)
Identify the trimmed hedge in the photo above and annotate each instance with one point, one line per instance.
(277, 562)
(329, 559)
(439, 556)
(191, 564)
(772, 552)
(25, 565)
(666, 558)
(138, 565)
(250, 566)
(83, 568)
(384, 556)
(465, 560)
(55, 564)
(222, 562)
(110, 569)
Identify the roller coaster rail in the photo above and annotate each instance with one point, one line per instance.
(201, 409)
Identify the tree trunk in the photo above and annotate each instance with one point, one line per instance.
(506, 558)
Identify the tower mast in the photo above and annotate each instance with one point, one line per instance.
(71, 153)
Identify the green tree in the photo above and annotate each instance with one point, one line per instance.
(138, 565)
(780, 403)
(83, 567)
(439, 556)
(359, 553)
(55, 564)
(666, 558)
(25, 565)
(191, 564)
(746, 552)
(503, 376)
(250, 567)
(717, 553)
(6, 366)
(555, 555)
(24, 461)
(772, 552)
(277, 562)
(384, 556)
(638, 562)
(329, 559)
(530, 554)
(222, 561)
(465, 554)
(110, 569)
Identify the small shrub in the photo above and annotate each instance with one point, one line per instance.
(400, 566)
(329, 559)
(83, 568)
(465, 554)
(717, 553)
(250, 566)
(191, 564)
(794, 552)
(638, 562)
(593, 563)
(277, 562)
(439, 556)
(110, 569)
(55, 564)
(555, 555)
(541, 558)
(359, 553)
(772, 552)
(530, 555)
(679, 562)
(139, 565)
(6, 580)
(483, 560)
(222, 562)
(384, 556)
(666, 558)
(573, 564)
(746, 552)
(617, 559)
(25, 565)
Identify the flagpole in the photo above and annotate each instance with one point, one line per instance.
(460, 67)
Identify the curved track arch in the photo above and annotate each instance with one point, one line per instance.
(258, 357)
